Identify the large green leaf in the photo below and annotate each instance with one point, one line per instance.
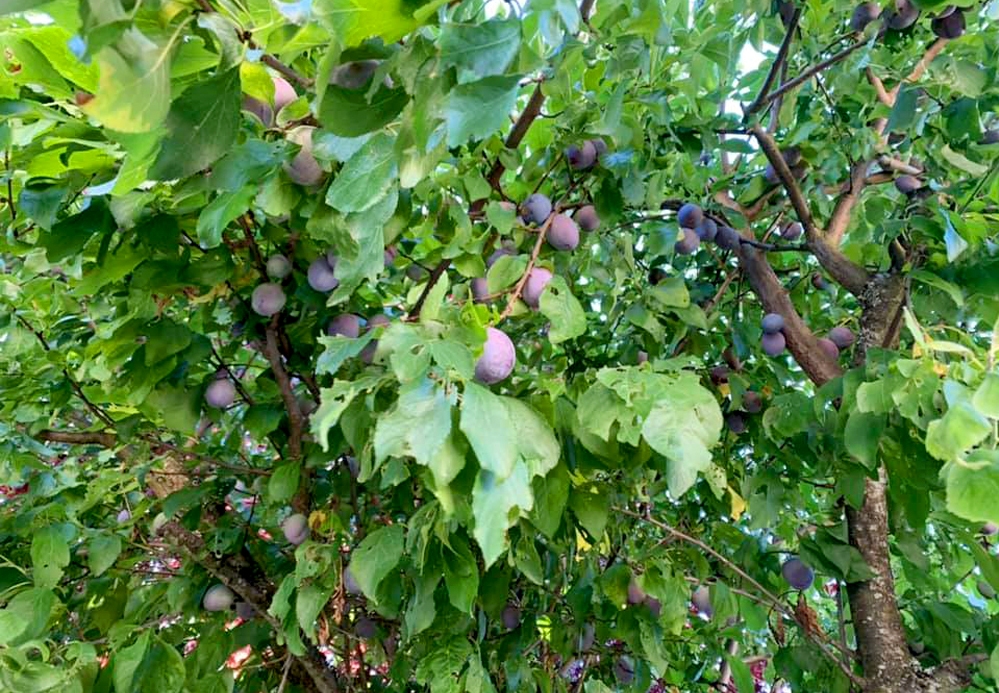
(479, 109)
(972, 487)
(480, 50)
(376, 557)
(366, 177)
(350, 113)
(49, 555)
(133, 665)
(496, 506)
(563, 310)
(418, 425)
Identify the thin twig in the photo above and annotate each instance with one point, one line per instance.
(518, 288)
(10, 186)
(232, 376)
(779, 61)
(295, 418)
(284, 674)
(258, 258)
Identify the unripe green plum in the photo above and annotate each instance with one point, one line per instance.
(303, 168)
(587, 218)
(278, 267)
(563, 234)
(536, 282)
(346, 325)
(581, 157)
(218, 598)
(267, 299)
(774, 344)
(536, 209)
(321, 276)
(220, 393)
(797, 574)
(296, 528)
(498, 358)
(689, 244)
(689, 215)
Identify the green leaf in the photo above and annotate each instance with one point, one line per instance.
(25, 615)
(217, 215)
(960, 429)
(986, 397)
(41, 203)
(376, 556)
(356, 20)
(972, 488)
(486, 424)
(682, 428)
(862, 436)
(958, 160)
(496, 506)
(104, 550)
(461, 574)
(418, 425)
(563, 310)
(339, 349)
(505, 272)
(421, 610)
(165, 338)
(133, 92)
(670, 293)
(134, 664)
(480, 50)
(310, 599)
(903, 114)
(201, 127)
(349, 112)
(176, 406)
(366, 177)
(592, 509)
(479, 109)
(551, 493)
(49, 555)
(283, 484)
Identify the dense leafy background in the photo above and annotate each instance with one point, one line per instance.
(139, 199)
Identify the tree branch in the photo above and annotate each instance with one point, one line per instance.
(879, 88)
(779, 61)
(839, 221)
(295, 419)
(851, 276)
(518, 288)
(107, 440)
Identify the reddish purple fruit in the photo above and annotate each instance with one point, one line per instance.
(124, 516)
(772, 323)
(752, 402)
(536, 209)
(908, 184)
(480, 289)
(350, 584)
(600, 146)
(990, 136)
(643, 357)
(267, 299)
(774, 344)
(656, 275)
(365, 628)
(220, 394)
(636, 595)
(736, 422)
(829, 348)
(727, 238)
(989, 529)
(864, 14)
(346, 325)
(303, 169)
(295, 528)
(563, 234)
(654, 606)
(797, 574)
(949, 24)
(792, 231)
(510, 616)
(819, 282)
(706, 230)
(581, 157)
(587, 218)
(284, 93)
(904, 15)
(218, 598)
(841, 336)
(354, 75)
(507, 249)
(689, 215)
(689, 244)
(536, 282)
(624, 670)
(498, 358)
(719, 375)
(261, 109)
(321, 275)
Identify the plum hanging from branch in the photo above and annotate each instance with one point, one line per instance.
(498, 358)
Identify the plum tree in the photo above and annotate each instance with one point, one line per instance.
(295, 528)
(220, 393)
(536, 282)
(278, 267)
(321, 275)
(864, 14)
(284, 94)
(797, 574)
(498, 358)
(841, 336)
(267, 299)
(772, 323)
(303, 168)
(587, 218)
(218, 598)
(688, 244)
(536, 209)
(774, 344)
(345, 325)
(829, 348)
(563, 234)
(510, 616)
(689, 215)
(908, 184)
(581, 157)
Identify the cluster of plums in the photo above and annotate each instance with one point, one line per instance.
(752, 402)
(696, 227)
(774, 343)
(584, 156)
(948, 23)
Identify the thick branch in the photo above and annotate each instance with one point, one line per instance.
(851, 276)
(107, 440)
(295, 419)
(778, 63)
(840, 219)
